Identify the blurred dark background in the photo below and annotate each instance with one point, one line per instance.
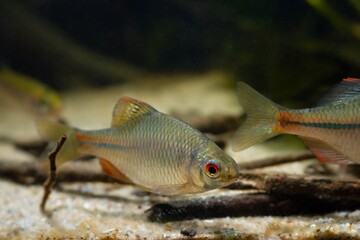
(289, 50)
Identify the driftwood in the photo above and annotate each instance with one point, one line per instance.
(311, 186)
(258, 204)
(32, 172)
(281, 195)
(213, 124)
(276, 160)
(35, 148)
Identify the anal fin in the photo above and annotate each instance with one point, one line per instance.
(113, 171)
(325, 153)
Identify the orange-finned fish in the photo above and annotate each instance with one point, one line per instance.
(148, 148)
(331, 130)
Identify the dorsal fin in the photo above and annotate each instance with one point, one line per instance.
(346, 89)
(351, 80)
(325, 153)
(129, 108)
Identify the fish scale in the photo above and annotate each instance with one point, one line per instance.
(150, 151)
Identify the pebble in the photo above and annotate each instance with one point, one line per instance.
(189, 232)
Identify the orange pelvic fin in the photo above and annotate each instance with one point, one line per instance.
(113, 172)
(326, 154)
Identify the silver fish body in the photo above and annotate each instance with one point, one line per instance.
(158, 152)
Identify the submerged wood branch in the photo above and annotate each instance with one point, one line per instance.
(286, 184)
(32, 173)
(276, 160)
(283, 195)
(258, 204)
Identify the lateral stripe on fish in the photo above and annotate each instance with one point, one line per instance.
(99, 142)
(326, 125)
(331, 129)
(109, 146)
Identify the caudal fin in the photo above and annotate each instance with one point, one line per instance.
(51, 130)
(261, 117)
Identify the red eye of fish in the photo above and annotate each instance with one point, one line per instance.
(212, 168)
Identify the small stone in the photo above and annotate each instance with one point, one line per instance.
(189, 232)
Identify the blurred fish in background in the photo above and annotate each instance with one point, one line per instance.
(29, 94)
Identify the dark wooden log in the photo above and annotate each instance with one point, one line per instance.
(286, 184)
(258, 204)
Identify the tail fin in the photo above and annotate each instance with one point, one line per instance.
(51, 130)
(261, 117)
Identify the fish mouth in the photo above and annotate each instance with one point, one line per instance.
(223, 182)
(231, 180)
(230, 175)
(233, 174)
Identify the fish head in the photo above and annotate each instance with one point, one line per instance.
(214, 170)
(48, 103)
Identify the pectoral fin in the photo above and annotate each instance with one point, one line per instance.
(325, 153)
(113, 171)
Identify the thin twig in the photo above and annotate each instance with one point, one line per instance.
(276, 160)
(52, 177)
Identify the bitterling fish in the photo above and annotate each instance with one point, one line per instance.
(331, 130)
(150, 149)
